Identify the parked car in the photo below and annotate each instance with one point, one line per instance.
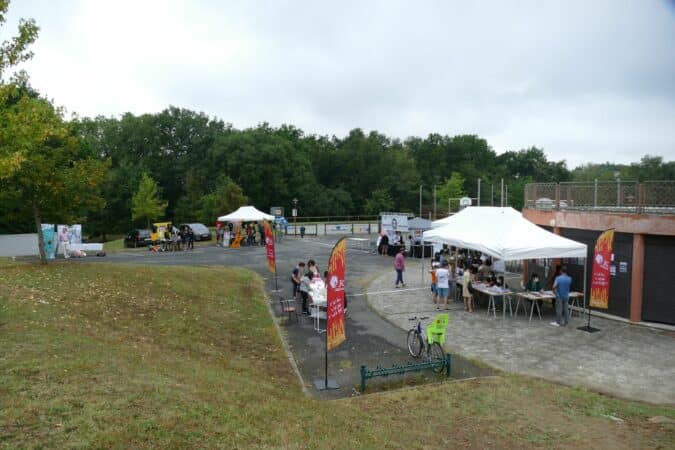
(138, 238)
(202, 233)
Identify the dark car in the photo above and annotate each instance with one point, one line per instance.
(202, 233)
(137, 238)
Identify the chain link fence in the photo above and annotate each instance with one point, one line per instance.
(650, 197)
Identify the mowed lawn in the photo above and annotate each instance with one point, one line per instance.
(101, 355)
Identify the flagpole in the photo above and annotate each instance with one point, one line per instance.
(326, 384)
(588, 328)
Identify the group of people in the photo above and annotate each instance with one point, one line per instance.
(451, 263)
(303, 277)
(386, 245)
(560, 283)
(175, 240)
(251, 233)
(474, 267)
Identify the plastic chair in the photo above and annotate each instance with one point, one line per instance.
(436, 330)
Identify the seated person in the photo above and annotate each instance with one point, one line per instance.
(396, 239)
(491, 279)
(501, 283)
(534, 285)
(485, 270)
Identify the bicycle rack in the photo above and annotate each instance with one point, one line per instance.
(399, 369)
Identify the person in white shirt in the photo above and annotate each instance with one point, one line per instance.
(442, 285)
(64, 242)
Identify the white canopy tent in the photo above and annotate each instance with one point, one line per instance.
(246, 214)
(441, 222)
(502, 233)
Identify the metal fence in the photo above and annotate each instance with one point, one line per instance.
(649, 197)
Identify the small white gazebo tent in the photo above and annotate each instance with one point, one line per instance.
(245, 214)
(503, 233)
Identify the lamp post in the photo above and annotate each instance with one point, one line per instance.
(295, 216)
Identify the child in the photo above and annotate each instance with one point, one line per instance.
(443, 285)
(434, 281)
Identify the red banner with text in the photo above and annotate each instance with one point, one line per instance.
(335, 314)
(602, 257)
(269, 244)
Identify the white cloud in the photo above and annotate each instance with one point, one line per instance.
(587, 81)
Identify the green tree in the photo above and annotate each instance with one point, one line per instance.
(13, 52)
(452, 189)
(56, 178)
(146, 202)
(226, 197)
(379, 202)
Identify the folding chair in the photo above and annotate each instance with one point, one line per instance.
(288, 307)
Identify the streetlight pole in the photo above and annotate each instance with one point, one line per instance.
(295, 216)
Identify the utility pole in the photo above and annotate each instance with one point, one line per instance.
(435, 202)
(420, 201)
(502, 193)
(507, 195)
(295, 216)
(478, 196)
(492, 194)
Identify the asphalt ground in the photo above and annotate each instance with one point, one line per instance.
(371, 339)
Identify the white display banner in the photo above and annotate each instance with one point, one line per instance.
(343, 228)
(391, 223)
(74, 233)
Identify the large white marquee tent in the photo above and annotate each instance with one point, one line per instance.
(502, 233)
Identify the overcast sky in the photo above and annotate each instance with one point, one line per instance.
(588, 81)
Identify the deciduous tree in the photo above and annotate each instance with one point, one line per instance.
(146, 202)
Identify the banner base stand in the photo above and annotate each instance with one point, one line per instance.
(588, 329)
(321, 385)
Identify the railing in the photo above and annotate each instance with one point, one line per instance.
(399, 369)
(649, 197)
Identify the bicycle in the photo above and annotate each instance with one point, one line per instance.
(417, 341)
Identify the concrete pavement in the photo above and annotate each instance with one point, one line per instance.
(623, 360)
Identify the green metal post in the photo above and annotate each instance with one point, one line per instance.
(363, 378)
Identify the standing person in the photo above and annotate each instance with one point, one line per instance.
(190, 239)
(295, 278)
(452, 268)
(304, 290)
(384, 244)
(443, 286)
(261, 231)
(183, 236)
(561, 289)
(466, 288)
(63, 242)
(399, 266)
(434, 282)
(219, 234)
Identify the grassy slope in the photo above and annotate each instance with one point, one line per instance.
(102, 355)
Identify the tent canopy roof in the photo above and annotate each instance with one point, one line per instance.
(245, 214)
(418, 223)
(502, 233)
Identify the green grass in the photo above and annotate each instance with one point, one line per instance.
(99, 355)
(114, 245)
